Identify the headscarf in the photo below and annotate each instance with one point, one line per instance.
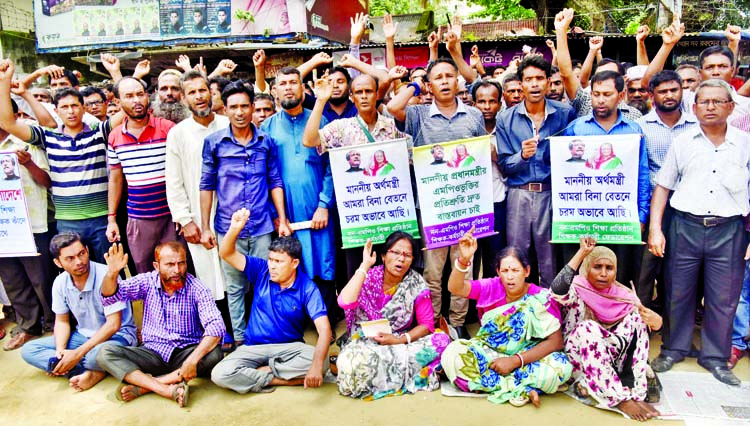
(611, 304)
(373, 170)
(601, 158)
(458, 158)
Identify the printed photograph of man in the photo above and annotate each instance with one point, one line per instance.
(222, 17)
(438, 155)
(355, 161)
(8, 164)
(577, 148)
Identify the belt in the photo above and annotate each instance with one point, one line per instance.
(707, 221)
(534, 187)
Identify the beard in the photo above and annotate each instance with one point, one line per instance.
(204, 113)
(291, 103)
(671, 108)
(174, 112)
(339, 101)
(641, 106)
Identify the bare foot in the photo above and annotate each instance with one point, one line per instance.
(131, 392)
(652, 412)
(534, 397)
(634, 410)
(180, 393)
(86, 380)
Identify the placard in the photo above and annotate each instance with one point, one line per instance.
(16, 236)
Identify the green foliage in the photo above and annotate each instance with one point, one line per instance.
(244, 15)
(705, 15)
(403, 7)
(502, 9)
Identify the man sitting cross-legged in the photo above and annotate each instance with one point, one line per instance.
(275, 353)
(181, 326)
(77, 291)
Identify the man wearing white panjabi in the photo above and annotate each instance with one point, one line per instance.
(183, 173)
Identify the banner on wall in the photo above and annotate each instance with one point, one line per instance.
(503, 55)
(16, 236)
(454, 185)
(595, 188)
(373, 191)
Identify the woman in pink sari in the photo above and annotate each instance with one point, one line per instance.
(605, 159)
(461, 157)
(379, 165)
(605, 331)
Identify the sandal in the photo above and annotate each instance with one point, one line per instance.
(580, 390)
(185, 393)
(519, 401)
(332, 364)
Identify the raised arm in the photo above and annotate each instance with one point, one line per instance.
(595, 47)
(561, 283)
(350, 293)
(433, 41)
(227, 249)
(475, 61)
(112, 64)
(397, 105)
(640, 45)
(317, 60)
(453, 43)
(323, 90)
(43, 116)
(8, 121)
(381, 75)
(259, 63)
(733, 33)
(457, 284)
(389, 31)
(51, 70)
(183, 62)
(142, 69)
(551, 45)
(116, 260)
(670, 37)
(564, 63)
(225, 68)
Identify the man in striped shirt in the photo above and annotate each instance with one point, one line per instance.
(137, 151)
(77, 160)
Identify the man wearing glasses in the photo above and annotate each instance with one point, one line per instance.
(710, 199)
(95, 102)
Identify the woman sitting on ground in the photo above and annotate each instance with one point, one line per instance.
(516, 353)
(405, 360)
(606, 332)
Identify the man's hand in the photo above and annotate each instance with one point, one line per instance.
(314, 377)
(111, 63)
(358, 23)
(452, 41)
(142, 69)
(200, 67)
(563, 20)
(17, 88)
(433, 40)
(656, 242)
(398, 72)
(7, 69)
(389, 27)
(733, 33)
(24, 158)
(643, 32)
(188, 370)
(596, 43)
(68, 359)
(116, 259)
(259, 58)
(191, 232)
(322, 58)
(183, 63)
(208, 239)
(475, 59)
(227, 66)
(113, 231)
(346, 60)
(239, 219)
(456, 27)
(673, 33)
(320, 218)
(467, 245)
(53, 71)
(284, 229)
(323, 88)
(551, 44)
(528, 147)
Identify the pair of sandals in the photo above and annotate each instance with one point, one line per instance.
(137, 391)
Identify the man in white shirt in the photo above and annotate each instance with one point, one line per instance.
(708, 168)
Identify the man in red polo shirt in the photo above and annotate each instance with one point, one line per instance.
(137, 150)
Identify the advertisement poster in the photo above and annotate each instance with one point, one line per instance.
(595, 188)
(454, 185)
(373, 191)
(16, 237)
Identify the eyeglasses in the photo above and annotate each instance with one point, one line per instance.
(717, 102)
(94, 103)
(406, 255)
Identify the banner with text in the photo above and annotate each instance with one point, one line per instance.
(595, 188)
(16, 237)
(454, 185)
(373, 192)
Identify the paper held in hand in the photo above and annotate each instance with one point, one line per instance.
(372, 328)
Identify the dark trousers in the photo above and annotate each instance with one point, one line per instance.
(490, 246)
(720, 250)
(652, 270)
(119, 361)
(28, 284)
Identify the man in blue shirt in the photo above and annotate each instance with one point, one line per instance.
(240, 163)
(72, 353)
(308, 184)
(607, 91)
(275, 353)
(522, 135)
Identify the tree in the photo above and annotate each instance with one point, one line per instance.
(403, 7)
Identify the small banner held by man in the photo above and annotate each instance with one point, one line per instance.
(454, 184)
(595, 188)
(373, 192)
(16, 237)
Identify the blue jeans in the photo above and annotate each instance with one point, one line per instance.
(93, 232)
(38, 352)
(237, 284)
(741, 327)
